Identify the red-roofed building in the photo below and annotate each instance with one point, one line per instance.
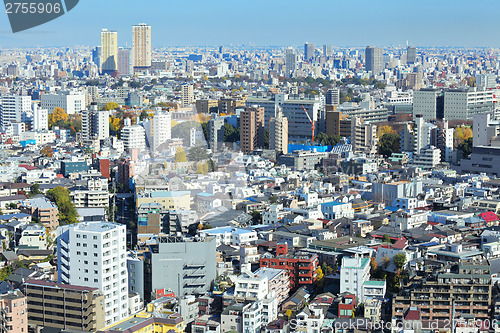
(490, 218)
(401, 244)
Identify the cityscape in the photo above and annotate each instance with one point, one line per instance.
(243, 187)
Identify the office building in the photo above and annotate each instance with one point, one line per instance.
(429, 103)
(488, 81)
(411, 55)
(374, 58)
(124, 61)
(333, 96)
(486, 128)
(446, 291)
(14, 314)
(206, 106)
(12, 109)
(302, 159)
(73, 102)
(327, 50)
(133, 136)
(109, 51)
(483, 159)
(428, 158)
(290, 61)
(337, 123)
(465, 103)
(64, 306)
(251, 129)
(93, 254)
(278, 133)
(95, 124)
(40, 118)
(185, 266)
(96, 56)
(299, 125)
(187, 96)
(141, 39)
(309, 51)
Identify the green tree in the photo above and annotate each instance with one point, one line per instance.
(399, 260)
(198, 153)
(231, 134)
(386, 238)
(180, 155)
(266, 138)
(327, 140)
(67, 211)
(5, 272)
(465, 147)
(389, 143)
(35, 189)
(143, 115)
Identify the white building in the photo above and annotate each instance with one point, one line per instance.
(93, 254)
(40, 118)
(187, 96)
(231, 236)
(133, 136)
(260, 313)
(465, 103)
(40, 137)
(95, 124)
(485, 128)
(72, 102)
(158, 129)
(428, 158)
(353, 274)
(13, 107)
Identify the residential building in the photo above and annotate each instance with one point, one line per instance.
(337, 124)
(206, 106)
(251, 129)
(158, 129)
(257, 285)
(42, 210)
(215, 132)
(12, 109)
(109, 51)
(40, 118)
(14, 313)
(141, 40)
(187, 96)
(93, 254)
(333, 97)
(364, 137)
(302, 159)
(354, 272)
(95, 124)
(483, 159)
(290, 61)
(428, 158)
(408, 219)
(124, 61)
(64, 306)
(133, 136)
(278, 133)
(486, 128)
(231, 236)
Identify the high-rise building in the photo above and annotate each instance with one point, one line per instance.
(13, 307)
(429, 103)
(309, 51)
(95, 124)
(411, 55)
(133, 136)
(290, 61)
(94, 254)
(465, 103)
(109, 51)
(374, 58)
(96, 56)
(327, 50)
(71, 101)
(12, 109)
(486, 81)
(251, 129)
(142, 46)
(40, 118)
(124, 61)
(187, 96)
(158, 129)
(278, 133)
(363, 136)
(215, 133)
(333, 96)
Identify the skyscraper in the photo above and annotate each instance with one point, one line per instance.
(251, 128)
(411, 55)
(187, 95)
(309, 51)
(278, 133)
(142, 46)
(374, 57)
(94, 254)
(290, 61)
(124, 61)
(109, 51)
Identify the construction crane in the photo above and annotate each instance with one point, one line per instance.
(313, 124)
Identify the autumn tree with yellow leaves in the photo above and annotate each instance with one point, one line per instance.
(57, 116)
(386, 129)
(461, 134)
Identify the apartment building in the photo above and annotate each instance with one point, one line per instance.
(13, 312)
(354, 272)
(41, 209)
(462, 288)
(251, 129)
(257, 285)
(64, 306)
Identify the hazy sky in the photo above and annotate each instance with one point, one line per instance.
(272, 22)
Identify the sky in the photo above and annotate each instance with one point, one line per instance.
(271, 23)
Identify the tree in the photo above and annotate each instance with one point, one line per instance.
(461, 134)
(266, 138)
(386, 238)
(382, 130)
(231, 134)
(327, 140)
(373, 264)
(389, 143)
(35, 189)
(143, 115)
(67, 211)
(47, 151)
(202, 167)
(111, 106)
(180, 155)
(114, 124)
(465, 147)
(288, 314)
(198, 153)
(58, 115)
(399, 260)
(320, 278)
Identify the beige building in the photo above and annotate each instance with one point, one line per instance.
(141, 35)
(187, 95)
(170, 200)
(64, 306)
(278, 133)
(14, 314)
(251, 129)
(363, 136)
(109, 51)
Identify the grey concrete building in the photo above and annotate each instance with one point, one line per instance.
(302, 159)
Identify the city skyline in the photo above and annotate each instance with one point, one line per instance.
(177, 24)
